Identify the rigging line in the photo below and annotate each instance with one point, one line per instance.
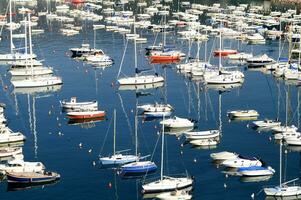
(125, 114)
(105, 139)
(5, 15)
(271, 93)
(211, 107)
(213, 44)
(126, 44)
(152, 155)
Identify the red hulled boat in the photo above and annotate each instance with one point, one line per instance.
(224, 52)
(86, 114)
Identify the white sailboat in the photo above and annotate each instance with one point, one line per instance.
(139, 166)
(14, 55)
(117, 158)
(166, 183)
(36, 81)
(283, 190)
(223, 77)
(139, 79)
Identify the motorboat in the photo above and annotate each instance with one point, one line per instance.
(86, 114)
(177, 122)
(256, 171)
(31, 177)
(224, 155)
(196, 135)
(99, 59)
(85, 50)
(18, 165)
(204, 142)
(240, 56)
(242, 114)
(260, 60)
(267, 123)
(8, 136)
(287, 135)
(159, 114)
(157, 107)
(293, 141)
(74, 105)
(281, 129)
(255, 39)
(175, 195)
(10, 152)
(241, 161)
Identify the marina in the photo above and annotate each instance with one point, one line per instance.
(150, 99)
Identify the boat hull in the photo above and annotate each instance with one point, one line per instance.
(86, 115)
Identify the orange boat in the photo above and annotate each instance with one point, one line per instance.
(86, 114)
(77, 1)
(165, 57)
(224, 52)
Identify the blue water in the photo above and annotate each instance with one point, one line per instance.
(56, 144)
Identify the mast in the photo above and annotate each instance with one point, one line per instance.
(136, 130)
(30, 43)
(162, 149)
(25, 32)
(280, 163)
(114, 144)
(11, 28)
(164, 35)
(135, 49)
(220, 51)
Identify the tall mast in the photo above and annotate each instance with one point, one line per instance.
(164, 34)
(220, 49)
(114, 144)
(25, 32)
(136, 134)
(30, 43)
(11, 28)
(135, 49)
(162, 149)
(280, 163)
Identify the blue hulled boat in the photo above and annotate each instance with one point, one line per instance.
(31, 177)
(140, 167)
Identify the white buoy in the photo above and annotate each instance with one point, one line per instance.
(226, 175)
(90, 150)
(80, 145)
(252, 195)
(248, 125)
(94, 163)
(225, 185)
(194, 160)
(60, 133)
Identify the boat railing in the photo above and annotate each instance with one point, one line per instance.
(121, 151)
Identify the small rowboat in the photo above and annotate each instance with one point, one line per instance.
(31, 177)
(74, 105)
(86, 114)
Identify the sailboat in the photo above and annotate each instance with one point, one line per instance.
(283, 190)
(139, 79)
(138, 167)
(165, 55)
(117, 158)
(166, 183)
(36, 81)
(223, 77)
(14, 55)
